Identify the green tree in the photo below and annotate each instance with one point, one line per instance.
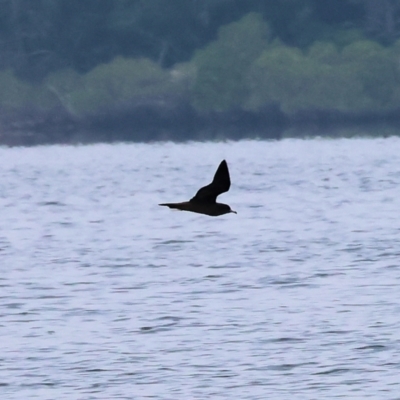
(17, 94)
(362, 77)
(222, 65)
(376, 68)
(117, 82)
(296, 81)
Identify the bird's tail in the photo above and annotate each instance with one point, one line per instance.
(178, 206)
(170, 205)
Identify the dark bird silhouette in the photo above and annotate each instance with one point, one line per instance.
(205, 201)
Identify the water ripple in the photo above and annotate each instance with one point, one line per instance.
(106, 295)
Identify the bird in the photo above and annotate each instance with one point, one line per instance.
(205, 200)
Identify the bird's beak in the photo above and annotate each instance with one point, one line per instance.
(233, 212)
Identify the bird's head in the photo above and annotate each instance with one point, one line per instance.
(225, 209)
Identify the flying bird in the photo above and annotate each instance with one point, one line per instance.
(205, 201)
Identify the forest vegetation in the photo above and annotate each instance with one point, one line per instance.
(87, 70)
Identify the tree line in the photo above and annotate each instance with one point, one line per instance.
(85, 61)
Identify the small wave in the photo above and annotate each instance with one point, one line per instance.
(52, 203)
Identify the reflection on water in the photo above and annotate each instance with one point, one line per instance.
(106, 295)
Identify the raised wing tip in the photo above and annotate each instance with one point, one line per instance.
(222, 180)
(223, 168)
(223, 165)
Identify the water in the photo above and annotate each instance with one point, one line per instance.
(106, 295)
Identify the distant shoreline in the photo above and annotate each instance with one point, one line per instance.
(180, 122)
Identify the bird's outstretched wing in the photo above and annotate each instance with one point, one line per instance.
(220, 184)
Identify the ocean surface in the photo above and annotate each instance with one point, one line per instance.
(106, 295)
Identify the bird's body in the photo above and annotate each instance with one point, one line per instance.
(213, 210)
(204, 202)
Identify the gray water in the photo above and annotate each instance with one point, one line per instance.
(106, 295)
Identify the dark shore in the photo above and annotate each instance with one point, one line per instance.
(176, 121)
